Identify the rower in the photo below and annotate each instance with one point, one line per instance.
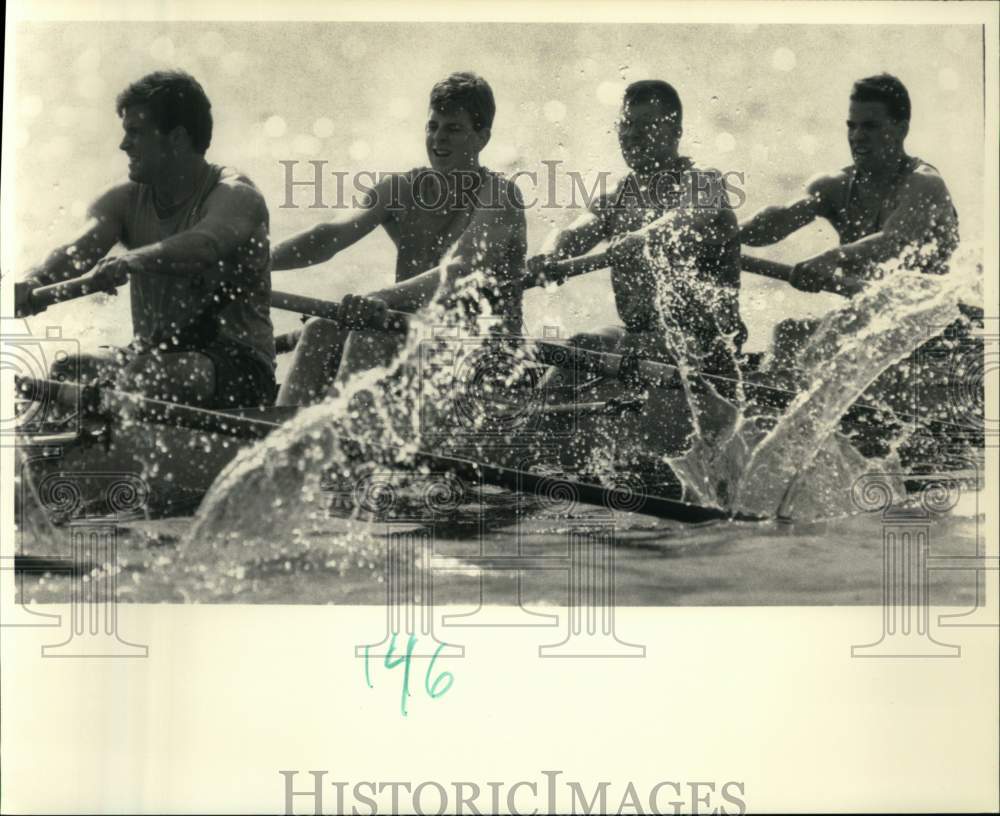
(885, 205)
(197, 257)
(674, 245)
(447, 221)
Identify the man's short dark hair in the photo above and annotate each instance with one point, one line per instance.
(465, 90)
(658, 91)
(175, 99)
(888, 90)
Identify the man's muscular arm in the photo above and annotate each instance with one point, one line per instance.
(578, 238)
(775, 223)
(100, 233)
(233, 212)
(487, 246)
(320, 243)
(704, 217)
(924, 214)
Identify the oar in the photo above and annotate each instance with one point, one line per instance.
(566, 269)
(838, 284)
(39, 299)
(629, 370)
(102, 400)
(330, 310)
(106, 402)
(559, 355)
(571, 267)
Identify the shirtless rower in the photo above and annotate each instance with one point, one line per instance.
(197, 258)
(685, 304)
(885, 205)
(447, 221)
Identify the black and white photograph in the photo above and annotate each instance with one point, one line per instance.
(618, 333)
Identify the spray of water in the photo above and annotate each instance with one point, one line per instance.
(796, 463)
(293, 475)
(800, 464)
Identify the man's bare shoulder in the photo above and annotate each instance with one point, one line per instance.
(828, 190)
(828, 184)
(706, 186)
(234, 179)
(927, 181)
(236, 189)
(500, 193)
(114, 200)
(400, 191)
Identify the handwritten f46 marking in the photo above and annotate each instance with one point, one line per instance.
(433, 688)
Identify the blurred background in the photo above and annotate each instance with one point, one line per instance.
(766, 101)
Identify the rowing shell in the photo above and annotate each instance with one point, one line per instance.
(162, 458)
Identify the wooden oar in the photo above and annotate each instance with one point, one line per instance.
(249, 428)
(571, 267)
(95, 401)
(566, 269)
(559, 355)
(838, 284)
(40, 299)
(330, 310)
(563, 355)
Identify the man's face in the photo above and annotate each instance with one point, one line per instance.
(874, 137)
(647, 135)
(148, 150)
(452, 142)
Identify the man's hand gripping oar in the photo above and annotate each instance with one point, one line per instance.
(31, 299)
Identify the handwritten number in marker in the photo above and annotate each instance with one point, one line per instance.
(405, 660)
(433, 689)
(445, 675)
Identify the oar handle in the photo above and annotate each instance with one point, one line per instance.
(845, 285)
(571, 267)
(566, 269)
(328, 310)
(765, 268)
(41, 297)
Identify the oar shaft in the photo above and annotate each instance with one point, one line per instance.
(845, 285)
(97, 401)
(766, 268)
(566, 269)
(575, 491)
(44, 296)
(314, 307)
(248, 428)
(607, 364)
(559, 355)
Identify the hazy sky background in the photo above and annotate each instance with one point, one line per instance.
(767, 101)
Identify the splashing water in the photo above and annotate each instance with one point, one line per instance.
(289, 474)
(738, 459)
(802, 465)
(851, 348)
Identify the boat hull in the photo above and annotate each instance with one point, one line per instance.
(594, 429)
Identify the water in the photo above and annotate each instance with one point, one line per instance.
(323, 519)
